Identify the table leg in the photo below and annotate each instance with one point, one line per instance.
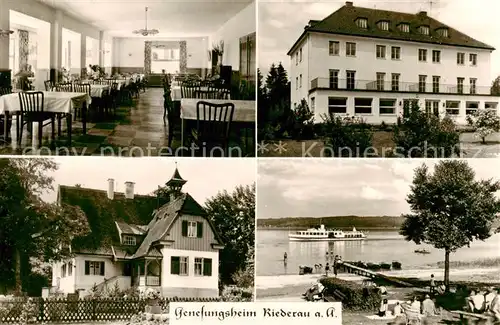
(182, 136)
(5, 128)
(69, 128)
(84, 117)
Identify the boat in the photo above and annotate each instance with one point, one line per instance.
(422, 251)
(323, 234)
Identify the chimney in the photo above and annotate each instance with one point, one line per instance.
(349, 4)
(129, 190)
(422, 13)
(111, 189)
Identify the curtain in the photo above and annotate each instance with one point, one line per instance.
(147, 57)
(183, 57)
(23, 49)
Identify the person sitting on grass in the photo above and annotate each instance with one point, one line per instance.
(428, 307)
(475, 302)
(495, 306)
(488, 298)
(316, 289)
(415, 304)
(397, 309)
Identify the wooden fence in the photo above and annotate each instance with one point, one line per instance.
(80, 310)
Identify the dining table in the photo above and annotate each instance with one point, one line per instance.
(243, 115)
(54, 102)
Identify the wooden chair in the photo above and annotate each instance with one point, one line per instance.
(82, 88)
(32, 110)
(49, 85)
(213, 124)
(64, 87)
(173, 114)
(3, 119)
(190, 89)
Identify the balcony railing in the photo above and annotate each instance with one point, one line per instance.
(149, 280)
(350, 84)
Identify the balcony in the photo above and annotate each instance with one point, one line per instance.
(149, 281)
(412, 87)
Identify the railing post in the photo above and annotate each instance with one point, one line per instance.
(94, 316)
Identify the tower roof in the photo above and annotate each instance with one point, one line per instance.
(176, 179)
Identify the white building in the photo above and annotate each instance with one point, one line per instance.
(176, 251)
(368, 62)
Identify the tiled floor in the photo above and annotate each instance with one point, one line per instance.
(136, 130)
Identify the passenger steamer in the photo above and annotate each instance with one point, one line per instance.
(323, 234)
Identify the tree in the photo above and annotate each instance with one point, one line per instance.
(234, 218)
(484, 122)
(449, 208)
(495, 87)
(32, 231)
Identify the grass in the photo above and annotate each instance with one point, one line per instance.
(485, 262)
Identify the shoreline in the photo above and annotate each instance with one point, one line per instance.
(291, 287)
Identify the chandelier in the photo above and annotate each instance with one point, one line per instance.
(146, 31)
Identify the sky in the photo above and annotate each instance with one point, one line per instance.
(205, 177)
(282, 22)
(342, 187)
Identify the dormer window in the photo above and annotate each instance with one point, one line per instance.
(362, 23)
(424, 30)
(404, 27)
(383, 25)
(129, 240)
(443, 32)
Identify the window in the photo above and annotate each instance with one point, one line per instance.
(350, 49)
(460, 85)
(334, 79)
(337, 105)
(473, 59)
(63, 270)
(424, 30)
(192, 229)
(380, 80)
(452, 107)
(490, 105)
(70, 268)
(436, 56)
(383, 25)
(334, 48)
(460, 58)
(395, 81)
(362, 22)
(300, 55)
(300, 80)
(422, 55)
(387, 106)
(471, 107)
(351, 80)
(94, 268)
(203, 266)
(473, 82)
(422, 83)
(362, 105)
(179, 265)
(296, 83)
(129, 240)
(443, 32)
(297, 58)
(435, 84)
(432, 107)
(380, 51)
(396, 53)
(313, 100)
(404, 27)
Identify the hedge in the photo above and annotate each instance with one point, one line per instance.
(357, 297)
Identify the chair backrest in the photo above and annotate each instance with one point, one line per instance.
(5, 90)
(64, 87)
(49, 85)
(82, 88)
(31, 101)
(190, 89)
(114, 87)
(214, 120)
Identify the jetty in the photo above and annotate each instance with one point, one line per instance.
(349, 268)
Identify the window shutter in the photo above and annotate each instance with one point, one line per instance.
(87, 268)
(175, 265)
(199, 230)
(184, 228)
(207, 266)
(102, 269)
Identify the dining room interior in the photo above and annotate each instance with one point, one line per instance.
(133, 78)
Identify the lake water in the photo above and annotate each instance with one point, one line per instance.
(380, 246)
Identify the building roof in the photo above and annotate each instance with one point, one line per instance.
(127, 229)
(343, 22)
(102, 213)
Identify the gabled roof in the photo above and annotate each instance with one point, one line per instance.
(102, 213)
(343, 22)
(125, 228)
(165, 217)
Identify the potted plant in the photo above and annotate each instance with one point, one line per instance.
(22, 77)
(216, 56)
(97, 71)
(152, 296)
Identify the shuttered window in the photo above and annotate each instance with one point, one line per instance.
(199, 229)
(175, 265)
(184, 228)
(207, 267)
(94, 268)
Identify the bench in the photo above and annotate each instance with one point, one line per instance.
(476, 318)
(335, 296)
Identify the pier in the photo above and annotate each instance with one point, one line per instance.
(349, 268)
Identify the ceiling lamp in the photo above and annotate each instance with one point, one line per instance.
(5, 32)
(146, 31)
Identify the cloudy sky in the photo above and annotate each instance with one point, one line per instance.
(281, 22)
(340, 187)
(206, 177)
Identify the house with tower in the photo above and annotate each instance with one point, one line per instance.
(163, 241)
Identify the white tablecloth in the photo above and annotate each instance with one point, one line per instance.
(176, 93)
(244, 110)
(96, 90)
(56, 102)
